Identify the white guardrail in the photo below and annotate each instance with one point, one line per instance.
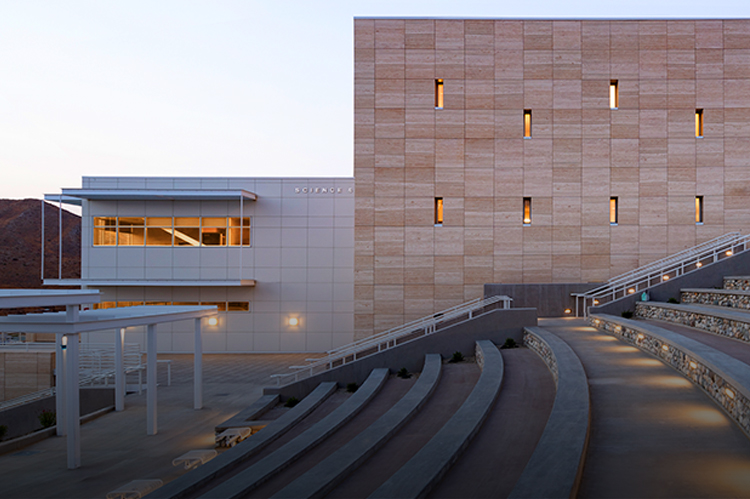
(645, 277)
(392, 337)
(97, 365)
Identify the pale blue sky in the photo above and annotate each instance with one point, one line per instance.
(196, 88)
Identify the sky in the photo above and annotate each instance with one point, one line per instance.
(209, 88)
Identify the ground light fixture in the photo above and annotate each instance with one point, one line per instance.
(729, 393)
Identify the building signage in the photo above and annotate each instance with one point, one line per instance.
(323, 190)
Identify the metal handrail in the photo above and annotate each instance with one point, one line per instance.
(649, 275)
(390, 338)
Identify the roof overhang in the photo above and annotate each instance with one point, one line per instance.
(75, 196)
(19, 298)
(98, 320)
(149, 283)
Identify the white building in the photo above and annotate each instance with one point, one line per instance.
(275, 255)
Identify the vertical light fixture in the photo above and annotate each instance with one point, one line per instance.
(699, 209)
(438, 211)
(614, 97)
(527, 123)
(613, 210)
(699, 123)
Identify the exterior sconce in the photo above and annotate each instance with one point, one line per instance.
(665, 277)
(665, 347)
(729, 253)
(631, 291)
(729, 393)
(693, 365)
(567, 311)
(640, 337)
(293, 321)
(699, 264)
(64, 342)
(213, 321)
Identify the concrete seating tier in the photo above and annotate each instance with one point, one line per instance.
(233, 457)
(326, 475)
(421, 472)
(242, 483)
(737, 282)
(724, 321)
(555, 468)
(730, 298)
(252, 413)
(725, 379)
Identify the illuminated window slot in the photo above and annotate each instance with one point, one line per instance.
(699, 210)
(614, 95)
(527, 123)
(699, 123)
(438, 211)
(613, 210)
(527, 211)
(439, 93)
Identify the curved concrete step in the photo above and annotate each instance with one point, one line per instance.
(496, 457)
(737, 282)
(241, 484)
(724, 379)
(253, 412)
(724, 321)
(326, 475)
(555, 468)
(420, 474)
(233, 457)
(729, 298)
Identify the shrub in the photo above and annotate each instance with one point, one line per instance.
(627, 314)
(510, 343)
(3, 431)
(47, 418)
(403, 373)
(457, 357)
(291, 402)
(352, 387)
(672, 300)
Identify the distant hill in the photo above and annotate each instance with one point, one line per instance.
(20, 243)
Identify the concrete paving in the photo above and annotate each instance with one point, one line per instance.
(653, 433)
(115, 448)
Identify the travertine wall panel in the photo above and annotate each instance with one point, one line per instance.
(472, 152)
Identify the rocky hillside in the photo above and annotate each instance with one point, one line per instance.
(20, 243)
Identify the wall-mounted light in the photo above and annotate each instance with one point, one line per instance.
(631, 291)
(729, 393)
(213, 321)
(64, 342)
(596, 302)
(293, 321)
(665, 277)
(693, 365)
(729, 253)
(665, 348)
(699, 264)
(568, 311)
(640, 337)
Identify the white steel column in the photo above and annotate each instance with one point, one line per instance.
(119, 370)
(60, 374)
(42, 269)
(72, 409)
(151, 427)
(198, 367)
(60, 238)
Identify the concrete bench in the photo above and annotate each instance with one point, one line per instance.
(723, 378)
(135, 489)
(240, 484)
(421, 473)
(252, 413)
(321, 479)
(235, 456)
(194, 458)
(233, 436)
(555, 467)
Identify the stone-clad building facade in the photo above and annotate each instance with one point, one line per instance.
(527, 151)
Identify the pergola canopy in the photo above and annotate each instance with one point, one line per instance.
(19, 298)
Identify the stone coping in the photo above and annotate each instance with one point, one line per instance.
(725, 379)
(555, 467)
(732, 314)
(325, 476)
(252, 413)
(242, 483)
(422, 472)
(234, 456)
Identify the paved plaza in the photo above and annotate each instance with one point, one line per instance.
(115, 448)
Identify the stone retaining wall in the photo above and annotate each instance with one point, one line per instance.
(742, 283)
(727, 394)
(710, 323)
(542, 349)
(717, 298)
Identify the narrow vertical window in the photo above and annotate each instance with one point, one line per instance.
(699, 122)
(439, 93)
(438, 211)
(698, 209)
(527, 211)
(527, 123)
(613, 210)
(614, 96)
